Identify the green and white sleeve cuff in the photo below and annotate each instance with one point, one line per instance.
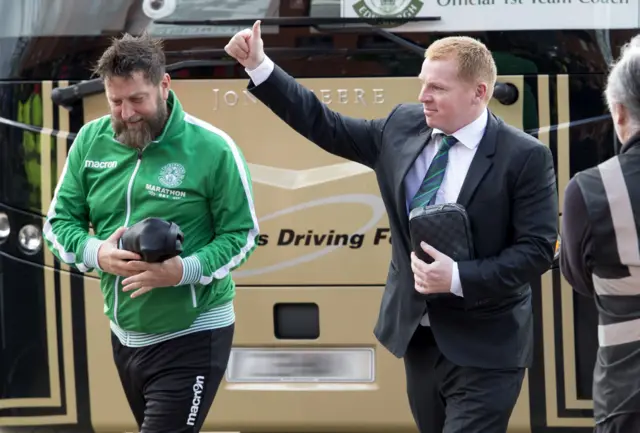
(90, 253)
(191, 270)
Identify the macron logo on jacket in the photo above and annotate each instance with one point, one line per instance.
(100, 164)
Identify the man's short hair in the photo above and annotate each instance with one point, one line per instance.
(475, 62)
(623, 86)
(131, 54)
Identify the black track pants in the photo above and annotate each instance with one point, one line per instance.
(171, 385)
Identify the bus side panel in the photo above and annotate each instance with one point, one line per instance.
(288, 172)
(306, 199)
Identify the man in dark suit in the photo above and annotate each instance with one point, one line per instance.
(464, 329)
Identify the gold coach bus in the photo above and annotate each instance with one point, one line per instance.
(305, 358)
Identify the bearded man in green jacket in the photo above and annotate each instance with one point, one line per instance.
(172, 322)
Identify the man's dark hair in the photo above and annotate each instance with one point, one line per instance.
(131, 54)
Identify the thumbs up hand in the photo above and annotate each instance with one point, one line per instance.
(434, 277)
(246, 47)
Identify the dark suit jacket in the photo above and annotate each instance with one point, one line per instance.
(510, 196)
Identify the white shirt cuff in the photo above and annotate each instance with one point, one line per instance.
(456, 287)
(90, 253)
(191, 270)
(260, 74)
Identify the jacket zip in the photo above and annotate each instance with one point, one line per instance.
(193, 297)
(126, 223)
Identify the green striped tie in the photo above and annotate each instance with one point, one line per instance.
(435, 174)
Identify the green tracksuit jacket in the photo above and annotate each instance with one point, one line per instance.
(193, 175)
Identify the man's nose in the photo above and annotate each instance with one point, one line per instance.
(424, 96)
(127, 111)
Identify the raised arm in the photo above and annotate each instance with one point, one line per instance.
(358, 140)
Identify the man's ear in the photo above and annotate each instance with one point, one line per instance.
(165, 85)
(619, 114)
(481, 92)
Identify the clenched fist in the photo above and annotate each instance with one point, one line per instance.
(246, 47)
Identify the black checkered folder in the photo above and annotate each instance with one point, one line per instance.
(443, 226)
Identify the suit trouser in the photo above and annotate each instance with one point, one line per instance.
(170, 386)
(623, 423)
(446, 398)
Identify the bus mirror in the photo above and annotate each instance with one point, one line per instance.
(67, 96)
(505, 93)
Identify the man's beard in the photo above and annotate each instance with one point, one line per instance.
(139, 136)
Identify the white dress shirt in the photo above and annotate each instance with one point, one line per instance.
(460, 157)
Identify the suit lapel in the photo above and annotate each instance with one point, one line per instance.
(482, 161)
(407, 155)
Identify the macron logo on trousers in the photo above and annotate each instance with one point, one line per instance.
(198, 386)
